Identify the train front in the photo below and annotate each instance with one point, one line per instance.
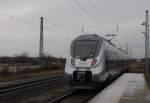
(85, 62)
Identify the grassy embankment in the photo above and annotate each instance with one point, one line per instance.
(11, 67)
(39, 72)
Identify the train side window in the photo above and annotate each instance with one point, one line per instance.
(111, 58)
(109, 55)
(106, 54)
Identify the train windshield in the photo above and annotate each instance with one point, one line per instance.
(85, 49)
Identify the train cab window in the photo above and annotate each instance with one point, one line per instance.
(85, 49)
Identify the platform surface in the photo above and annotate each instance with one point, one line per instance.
(128, 88)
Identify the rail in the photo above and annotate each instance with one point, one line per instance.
(61, 98)
(8, 87)
(81, 96)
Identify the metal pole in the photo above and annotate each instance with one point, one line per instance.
(127, 47)
(146, 41)
(82, 30)
(130, 53)
(41, 49)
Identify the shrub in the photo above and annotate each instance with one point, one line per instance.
(5, 71)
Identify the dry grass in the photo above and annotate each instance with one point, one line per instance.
(37, 73)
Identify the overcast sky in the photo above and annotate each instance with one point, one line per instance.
(63, 20)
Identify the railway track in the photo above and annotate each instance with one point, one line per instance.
(12, 86)
(62, 97)
(81, 96)
(47, 90)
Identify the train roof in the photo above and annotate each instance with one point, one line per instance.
(96, 37)
(93, 37)
(89, 37)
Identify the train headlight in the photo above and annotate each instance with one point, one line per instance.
(73, 62)
(94, 62)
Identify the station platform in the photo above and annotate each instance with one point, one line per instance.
(128, 88)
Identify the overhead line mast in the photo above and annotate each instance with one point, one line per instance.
(146, 34)
(41, 49)
(147, 41)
